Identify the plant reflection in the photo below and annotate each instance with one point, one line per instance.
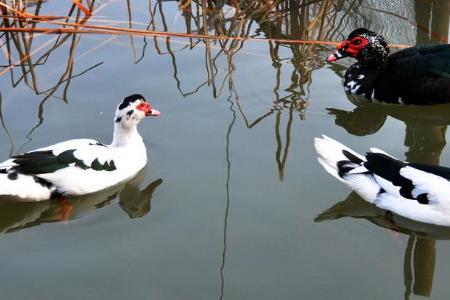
(420, 254)
(136, 202)
(281, 19)
(275, 19)
(293, 20)
(425, 126)
(29, 67)
(228, 198)
(425, 140)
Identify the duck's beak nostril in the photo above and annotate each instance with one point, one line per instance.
(154, 112)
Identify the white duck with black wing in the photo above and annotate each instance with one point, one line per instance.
(416, 191)
(81, 166)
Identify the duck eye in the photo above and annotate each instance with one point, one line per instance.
(356, 42)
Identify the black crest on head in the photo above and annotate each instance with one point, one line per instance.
(130, 99)
(359, 32)
(375, 54)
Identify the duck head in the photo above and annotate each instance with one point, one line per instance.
(368, 47)
(132, 110)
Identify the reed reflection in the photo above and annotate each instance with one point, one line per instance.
(281, 20)
(420, 254)
(425, 139)
(290, 20)
(233, 21)
(28, 58)
(432, 19)
(135, 201)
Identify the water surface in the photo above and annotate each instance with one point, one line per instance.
(230, 202)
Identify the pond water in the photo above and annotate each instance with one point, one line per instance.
(232, 204)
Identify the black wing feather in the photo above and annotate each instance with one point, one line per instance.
(42, 162)
(389, 168)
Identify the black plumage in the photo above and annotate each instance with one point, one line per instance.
(43, 162)
(389, 168)
(12, 176)
(130, 99)
(352, 157)
(418, 75)
(43, 182)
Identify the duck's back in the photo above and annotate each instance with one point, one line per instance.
(419, 75)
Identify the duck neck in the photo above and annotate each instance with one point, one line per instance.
(125, 135)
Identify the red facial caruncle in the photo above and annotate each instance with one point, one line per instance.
(147, 109)
(353, 46)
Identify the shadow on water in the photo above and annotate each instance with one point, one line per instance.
(420, 255)
(135, 202)
(304, 20)
(276, 19)
(425, 139)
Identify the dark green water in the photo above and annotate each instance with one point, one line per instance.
(233, 217)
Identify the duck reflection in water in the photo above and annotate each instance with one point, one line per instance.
(420, 254)
(425, 140)
(135, 202)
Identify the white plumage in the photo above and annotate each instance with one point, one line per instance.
(80, 166)
(416, 191)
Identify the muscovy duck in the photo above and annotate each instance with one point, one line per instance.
(416, 191)
(81, 166)
(418, 75)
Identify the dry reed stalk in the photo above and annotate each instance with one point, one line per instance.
(35, 17)
(97, 29)
(78, 3)
(18, 12)
(23, 15)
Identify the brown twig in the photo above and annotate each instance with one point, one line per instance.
(125, 31)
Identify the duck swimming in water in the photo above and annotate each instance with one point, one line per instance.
(81, 166)
(415, 191)
(417, 75)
